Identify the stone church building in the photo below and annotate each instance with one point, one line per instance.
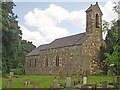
(72, 54)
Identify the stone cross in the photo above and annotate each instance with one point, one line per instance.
(68, 82)
(9, 83)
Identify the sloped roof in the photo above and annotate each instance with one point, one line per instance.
(61, 42)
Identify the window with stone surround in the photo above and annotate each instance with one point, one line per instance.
(97, 21)
(35, 61)
(30, 62)
(57, 60)
(46, 61)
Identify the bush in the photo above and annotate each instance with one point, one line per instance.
(18, 71)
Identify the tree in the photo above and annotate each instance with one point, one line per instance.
(14, 48)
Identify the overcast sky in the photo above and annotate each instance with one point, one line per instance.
(42, 22)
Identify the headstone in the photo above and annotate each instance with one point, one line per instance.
(55, 84)
(11, 74)
(9, 83)
(68, 82)
(27, 82)
(104, 84)
(85, 77)
(84, 80)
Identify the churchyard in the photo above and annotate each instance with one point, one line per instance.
(55, 81)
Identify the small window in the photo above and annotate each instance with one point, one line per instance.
(30, 62)
(57, 60)
(46, 61)
(97, 21)
(35, 62)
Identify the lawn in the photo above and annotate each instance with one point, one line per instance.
(45, 81)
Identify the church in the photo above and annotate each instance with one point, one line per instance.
(71, 54)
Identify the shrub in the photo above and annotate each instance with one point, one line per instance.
(18, 71)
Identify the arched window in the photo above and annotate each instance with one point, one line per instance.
(46, 61)
(57, 60)
(30, 62)
(97, 21)
(35, 62)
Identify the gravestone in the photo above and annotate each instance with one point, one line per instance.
(104, 84)
(68, 82)
(9, 83)
(11, 74)
(55, 83)
(27, 82)
(85, 77)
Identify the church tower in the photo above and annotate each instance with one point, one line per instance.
(93, 19)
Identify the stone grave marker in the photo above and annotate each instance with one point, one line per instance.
(68, 82)
(85, 77)
(9, 83)
(27, 82)
(55, 83)
(11, 74)
(104, 84)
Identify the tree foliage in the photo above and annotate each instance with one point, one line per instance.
(14, 48)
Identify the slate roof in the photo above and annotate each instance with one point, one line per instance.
(61, 42)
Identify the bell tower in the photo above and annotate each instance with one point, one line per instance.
(93, 19)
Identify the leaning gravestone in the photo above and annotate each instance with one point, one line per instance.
(68, 82)
(9, 83)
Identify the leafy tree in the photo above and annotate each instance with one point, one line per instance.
(14, 48)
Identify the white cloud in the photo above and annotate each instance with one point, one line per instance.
(108, 13)
(46, 21)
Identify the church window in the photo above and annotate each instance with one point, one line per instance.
(35, 62)
(30, 62)
(46, 61)
(97, 21)
(57, 60)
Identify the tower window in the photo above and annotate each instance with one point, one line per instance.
(46, 61)
(57, 60)
(97, 21)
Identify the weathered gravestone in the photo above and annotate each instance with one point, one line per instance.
(85, 77)
(27, 82)
(104, 84)
(11, 74)
(68, 82)
(9, 83)
(55, 83)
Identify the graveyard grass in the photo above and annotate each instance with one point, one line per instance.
(45, 81)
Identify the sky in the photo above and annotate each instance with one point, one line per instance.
(43, 22)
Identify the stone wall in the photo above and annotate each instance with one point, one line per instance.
(70, 61)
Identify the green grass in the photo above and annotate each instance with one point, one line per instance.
(45, 81)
